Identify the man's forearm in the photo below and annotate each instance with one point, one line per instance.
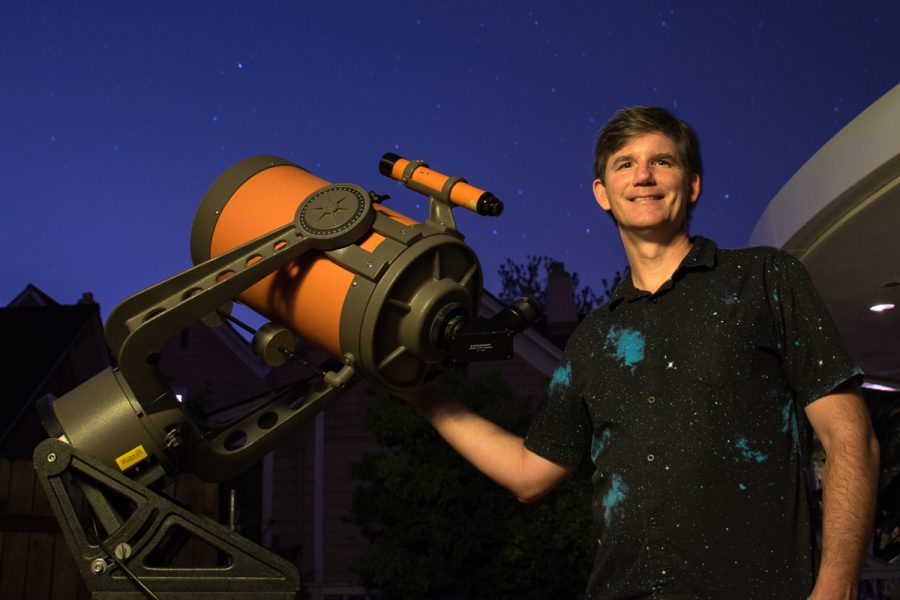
(497, 453)
(849, 485)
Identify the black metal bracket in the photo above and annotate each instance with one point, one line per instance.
(125, 559)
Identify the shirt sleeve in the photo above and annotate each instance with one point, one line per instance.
(814, 357)
(561, 429)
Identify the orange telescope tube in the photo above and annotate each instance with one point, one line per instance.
(419, 177)
(254, 197)
(381, 302)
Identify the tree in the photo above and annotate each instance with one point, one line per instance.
(530, 279)
(439, 529)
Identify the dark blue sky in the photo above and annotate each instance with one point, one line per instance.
(117, 116)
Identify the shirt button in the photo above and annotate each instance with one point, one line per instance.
(651, 399)
(650, 458)
(653, 520)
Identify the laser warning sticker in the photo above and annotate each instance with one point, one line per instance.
(131, 458)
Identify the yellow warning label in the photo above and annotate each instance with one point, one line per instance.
(131, 458)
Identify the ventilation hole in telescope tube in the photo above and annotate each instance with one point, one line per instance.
(253, 260)
(279, 245)
(224, 275)
(235, 440)
(267, 420)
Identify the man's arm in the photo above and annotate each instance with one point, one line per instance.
(841, 422)
(491, 449)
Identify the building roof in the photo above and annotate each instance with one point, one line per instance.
(39, 333)
(839, 215)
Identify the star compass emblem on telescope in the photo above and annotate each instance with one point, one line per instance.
(331, 209)
(340, 212)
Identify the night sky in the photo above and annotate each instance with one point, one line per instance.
(117, 116)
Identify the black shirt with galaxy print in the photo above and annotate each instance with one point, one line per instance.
(690, 404)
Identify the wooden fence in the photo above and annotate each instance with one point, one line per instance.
(35, 563)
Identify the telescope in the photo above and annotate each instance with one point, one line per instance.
(393, 301)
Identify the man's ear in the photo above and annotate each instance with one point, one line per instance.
(694, 188)
(600, 195)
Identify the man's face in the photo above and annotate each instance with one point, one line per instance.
(646, 186)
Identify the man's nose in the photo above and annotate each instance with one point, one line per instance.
(643, 174)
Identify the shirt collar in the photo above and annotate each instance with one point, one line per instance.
(702, 255)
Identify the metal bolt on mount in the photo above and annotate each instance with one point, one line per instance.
(51, 457)
(98, 566)
(123, 551)
(173, 439)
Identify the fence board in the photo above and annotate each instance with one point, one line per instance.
(12, 570)
(4, 483)
(66, 580)
(40, 567)
(18, 497)
(40, 504)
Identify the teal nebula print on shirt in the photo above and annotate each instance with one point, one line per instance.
(615, 498)
(749, 454)
(626, 345)
(598, 442)
(732, 299)
(789, 424)
(562, 377)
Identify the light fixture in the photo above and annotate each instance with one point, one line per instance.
(881, 307)
(880, 387)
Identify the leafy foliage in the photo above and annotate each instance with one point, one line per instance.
(439, 529)
(530, 279)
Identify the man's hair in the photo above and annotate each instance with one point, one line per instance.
(638, 120)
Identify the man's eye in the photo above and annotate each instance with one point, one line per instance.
(626, 165)
(663, 162)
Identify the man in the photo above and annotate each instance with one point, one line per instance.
(693, 390)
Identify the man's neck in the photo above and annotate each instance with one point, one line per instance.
(653, 260)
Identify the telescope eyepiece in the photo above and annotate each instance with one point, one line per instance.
(517, 316)
(489, 205)
(387, 162)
